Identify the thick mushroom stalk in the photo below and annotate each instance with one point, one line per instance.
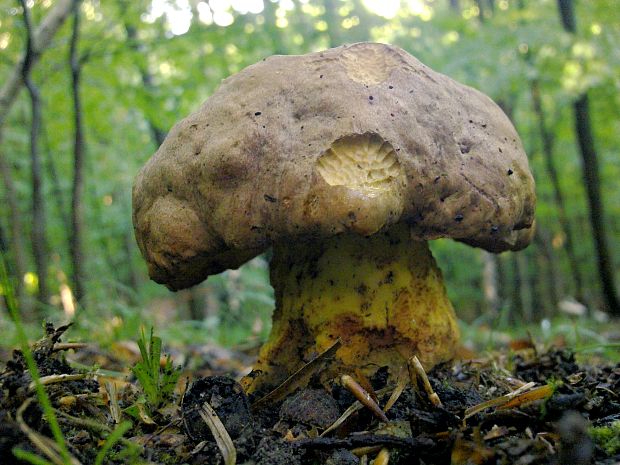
(382, 295)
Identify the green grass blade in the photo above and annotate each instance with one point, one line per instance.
(42, 397)
(29, 457)
(111, 440)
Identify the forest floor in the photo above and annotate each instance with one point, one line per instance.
(519, 406)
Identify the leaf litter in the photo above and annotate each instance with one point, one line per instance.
(527, 408)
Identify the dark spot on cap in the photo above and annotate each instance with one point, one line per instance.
(361, 289)
(321, 76)
(510, 172)
(258, 113)
(370, 97)
(390, 87)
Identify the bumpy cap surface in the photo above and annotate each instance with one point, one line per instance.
(354, 138)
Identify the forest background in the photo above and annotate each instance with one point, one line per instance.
(89, 89)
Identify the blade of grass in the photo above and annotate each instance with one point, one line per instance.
(42, 397)
(114, 437)
(29, 457)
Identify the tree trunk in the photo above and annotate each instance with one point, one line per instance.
(16, 235)
(157, 134)
(547, 150)
(553, 275)
(57, 191)
(132, 275)
(79, 149)
(516, 296)
(525, 286)
(39, 234)
(332, 18)
(490, 283)
(41, 39)
(585, 138)
(480, 6)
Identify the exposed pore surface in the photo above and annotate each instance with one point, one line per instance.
(363, 162)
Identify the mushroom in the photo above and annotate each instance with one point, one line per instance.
(345, 162)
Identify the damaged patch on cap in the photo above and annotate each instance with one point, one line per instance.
(363, 162)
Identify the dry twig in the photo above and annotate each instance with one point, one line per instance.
(416, 371)
(363, 396)
(222, 438)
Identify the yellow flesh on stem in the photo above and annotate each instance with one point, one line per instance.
(382, 295)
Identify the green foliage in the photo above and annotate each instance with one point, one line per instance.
(607, 437)
(132, 85)
(157, 382)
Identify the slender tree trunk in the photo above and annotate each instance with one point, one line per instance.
(57, 191)
(585, 138)
(39, 233)
(195, 304)
(525, 286)
(480, 6)
(41, 39)
(501, 281)
(490, 283)
(516, 296)
(79, 149)
(332, 18)
(3, 250)
(553, 274)
(8, 93)
(543, 300)
(16, 235)
(547, 150)
(157, 134)
(597, 215)
(128, 245)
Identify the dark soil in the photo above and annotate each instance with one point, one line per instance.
(548, 425)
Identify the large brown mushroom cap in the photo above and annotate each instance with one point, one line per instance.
(355, 138)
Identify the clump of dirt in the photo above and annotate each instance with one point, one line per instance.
(528, 408)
